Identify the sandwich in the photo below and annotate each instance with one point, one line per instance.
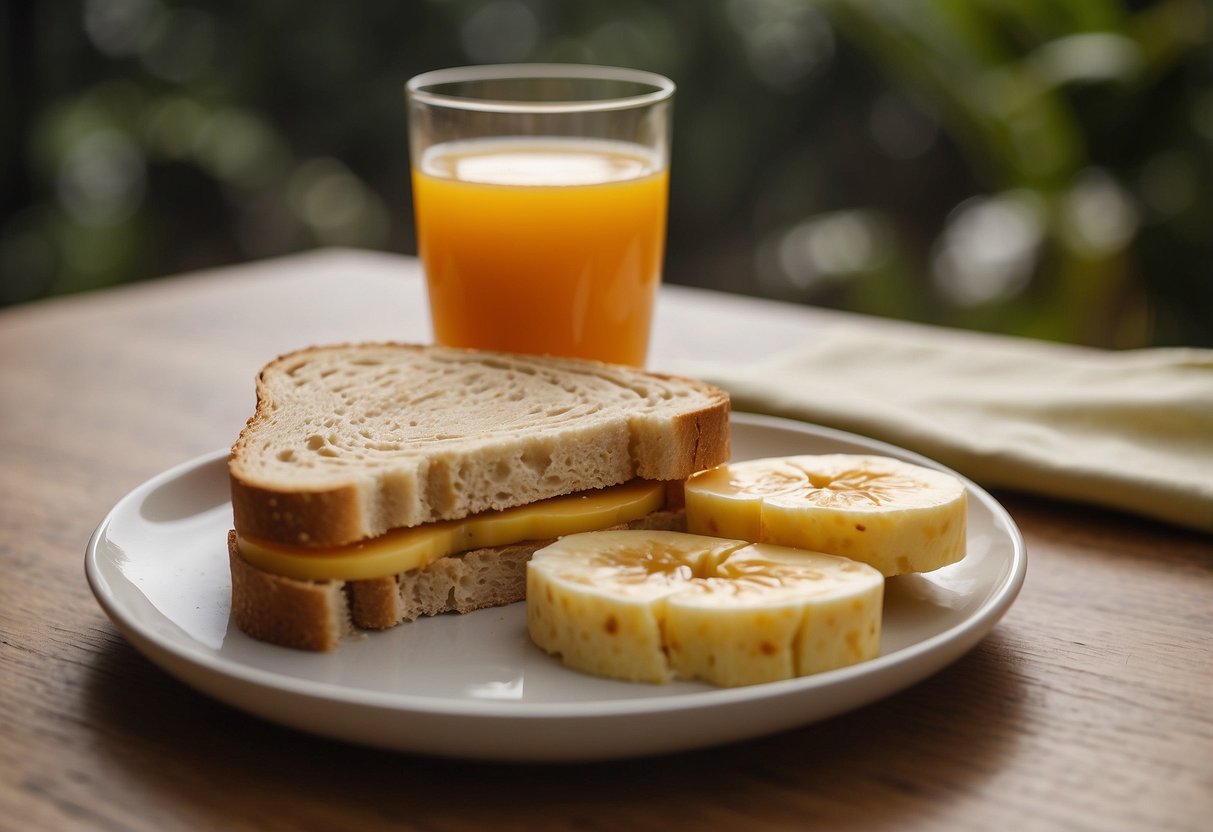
(377, 483)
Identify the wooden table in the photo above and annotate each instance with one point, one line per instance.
(1089, 706)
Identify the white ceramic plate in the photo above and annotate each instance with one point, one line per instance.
(473, 686)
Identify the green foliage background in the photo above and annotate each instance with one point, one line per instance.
(1033, 166)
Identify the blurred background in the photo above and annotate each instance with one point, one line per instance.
(1038, 167)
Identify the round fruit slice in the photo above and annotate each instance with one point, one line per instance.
(894, 515)
(652, 606)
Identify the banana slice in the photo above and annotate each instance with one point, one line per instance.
(652, 606)
(894, 515)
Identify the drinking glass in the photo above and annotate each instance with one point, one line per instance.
(540, 196)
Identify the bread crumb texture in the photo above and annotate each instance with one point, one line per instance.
(375, 436)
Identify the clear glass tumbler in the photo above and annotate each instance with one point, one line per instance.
(540, 196)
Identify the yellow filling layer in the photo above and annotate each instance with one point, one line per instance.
(401, 550)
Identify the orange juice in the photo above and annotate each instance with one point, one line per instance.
(542, 245)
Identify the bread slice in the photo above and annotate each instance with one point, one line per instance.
(315, 615)
(350, 441)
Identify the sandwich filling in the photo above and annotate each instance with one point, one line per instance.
(402, 550)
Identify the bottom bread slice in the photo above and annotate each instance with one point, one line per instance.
(315, 615)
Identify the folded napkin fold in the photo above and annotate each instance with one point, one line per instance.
(1130, 430)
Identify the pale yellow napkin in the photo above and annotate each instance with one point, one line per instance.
(1130, 430)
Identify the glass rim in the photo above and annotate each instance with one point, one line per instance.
(416, 88)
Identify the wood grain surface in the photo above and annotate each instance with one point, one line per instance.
(1088, 707)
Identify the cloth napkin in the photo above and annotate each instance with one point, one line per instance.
(1130, 430)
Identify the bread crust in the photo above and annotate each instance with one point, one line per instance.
(306, 615)
(315, 615)
(681, 427)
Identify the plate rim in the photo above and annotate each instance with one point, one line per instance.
(171, 653)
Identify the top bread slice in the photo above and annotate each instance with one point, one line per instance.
(350, 441)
